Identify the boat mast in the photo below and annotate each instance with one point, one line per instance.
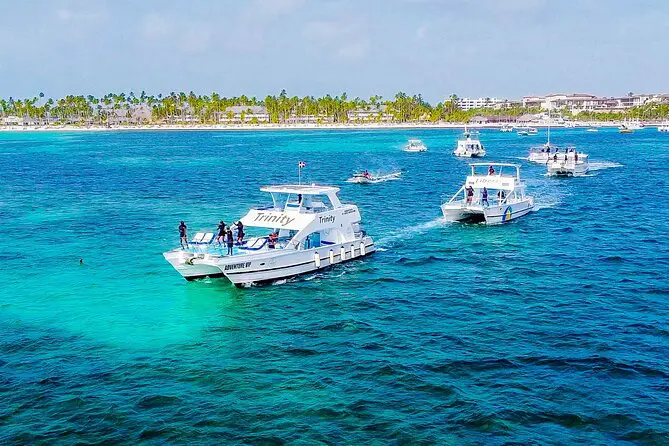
(548, 143)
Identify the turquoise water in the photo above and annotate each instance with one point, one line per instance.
(551, 329)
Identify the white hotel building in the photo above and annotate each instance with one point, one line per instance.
(468, 104)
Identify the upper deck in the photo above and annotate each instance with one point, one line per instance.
(494, 176)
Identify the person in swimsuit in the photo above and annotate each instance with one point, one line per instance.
(240, 232)
(470, 194)
(230, 240)
(221, 233)
(491, 170)
(484, 196)
(183, 235)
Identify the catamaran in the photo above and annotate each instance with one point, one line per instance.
(544, 152)
(492, 194)
(568, 164)
(415, 145)
(469, 147)
(310, 229)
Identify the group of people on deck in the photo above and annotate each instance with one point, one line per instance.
(501, 195)
(224, 236)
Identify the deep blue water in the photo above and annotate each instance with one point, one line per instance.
(551, 329)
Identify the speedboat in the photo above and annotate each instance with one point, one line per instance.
(369, 178)
(664, 127)
(469, 147)
(506, 128)
(568, 164)
(523, 132)
(492, 194)
(625, 129)
(532, 131)
(592, 129)
(415, 145)
(310, 229)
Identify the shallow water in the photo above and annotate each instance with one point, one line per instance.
(549, 329)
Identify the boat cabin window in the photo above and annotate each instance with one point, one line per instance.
(313, 240)
(305, 202)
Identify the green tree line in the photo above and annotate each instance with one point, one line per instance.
(132, 108)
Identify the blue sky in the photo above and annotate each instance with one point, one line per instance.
(505, 48)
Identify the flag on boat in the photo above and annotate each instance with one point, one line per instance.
(301, 164)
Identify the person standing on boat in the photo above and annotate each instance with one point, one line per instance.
(575, 156)
(484, 196)
(470, 194)
(230, 240)
(221, 233)
(183, 235)
(491, 170)
(240, 232)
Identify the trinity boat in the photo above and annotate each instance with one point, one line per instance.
(415, 145)
(567, 164)
(492, 194)
(469, 147)
(309, 229)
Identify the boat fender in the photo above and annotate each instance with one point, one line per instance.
(362, 249)
(317, 260)
(331, 257)
(352, 251)
(342, 253)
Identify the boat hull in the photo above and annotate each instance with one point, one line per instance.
(269, 266)
(491, 215)
(566, 169)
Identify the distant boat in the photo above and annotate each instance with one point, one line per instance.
(415, 145)
(625, 129)
(506, 128)
(532, 131)
(664, 127)
(469, 147)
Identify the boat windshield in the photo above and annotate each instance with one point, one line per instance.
(299, 202)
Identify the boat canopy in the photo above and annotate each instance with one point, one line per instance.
(301, 189)
(505, 176)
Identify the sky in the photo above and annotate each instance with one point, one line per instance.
(484, 48)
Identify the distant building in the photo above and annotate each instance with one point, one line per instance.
(581, 102)
(376, 113)
(468, 104)
(243, 114)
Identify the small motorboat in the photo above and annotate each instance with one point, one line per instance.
(568, 164)
(492, 194)
(532, 131)
(415, 145)
(664, 127)
(309, 229)
(469, 147)
(365, 177)
(506, 128)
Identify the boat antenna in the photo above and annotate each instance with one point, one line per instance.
(548, 143)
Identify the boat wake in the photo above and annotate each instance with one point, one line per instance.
(603, 165)
(374, 178)
(411, 231)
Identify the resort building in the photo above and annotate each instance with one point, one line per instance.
(579, 102)
(468, 104)
(243, 114)
(376, 113)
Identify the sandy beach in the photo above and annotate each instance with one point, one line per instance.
(216, 127)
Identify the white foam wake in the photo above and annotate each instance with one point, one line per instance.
(599, 165)
(411, 231)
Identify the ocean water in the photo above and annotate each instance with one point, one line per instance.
(550, 330)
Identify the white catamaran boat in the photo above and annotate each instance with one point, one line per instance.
(415, 145)
(310, 229)
(546, 151)
(568, 164)
(492, 194)
(469, 147)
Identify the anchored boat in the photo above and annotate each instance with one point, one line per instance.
(492, 194)
(469, 146)
(309, 229)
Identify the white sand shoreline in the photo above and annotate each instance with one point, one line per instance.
(226, 127)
